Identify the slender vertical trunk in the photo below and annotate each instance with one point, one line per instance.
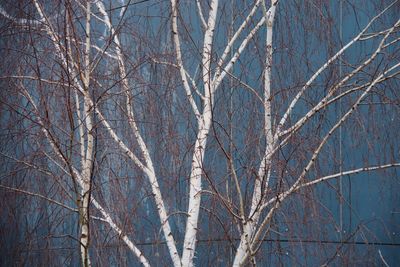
(88, 161)
(245, 244)
(204, 123)
(147, 168)
(90, 107)
(195, 188)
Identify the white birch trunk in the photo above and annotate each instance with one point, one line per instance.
(254, 226)
(88, 160)
(246, 248)
(88, 107)
(264, 170)
(147, 168)
(204, 123)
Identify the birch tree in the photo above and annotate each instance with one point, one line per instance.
(152, 123)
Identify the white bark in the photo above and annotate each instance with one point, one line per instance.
(204, 123)
(20, 21)
(355, 171)
(263, 173)
(326, 65)
(88, 106)
(179, 60)
(247, 247)
(88, 160)
(148, 168)
(326, 100)
(220, 76)
(298, 184)
(252, 223)
(76, 175)
(228, 47)
(200, 11)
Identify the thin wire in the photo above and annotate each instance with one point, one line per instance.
(212, 240)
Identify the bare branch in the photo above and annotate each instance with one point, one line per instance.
(39, 196)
